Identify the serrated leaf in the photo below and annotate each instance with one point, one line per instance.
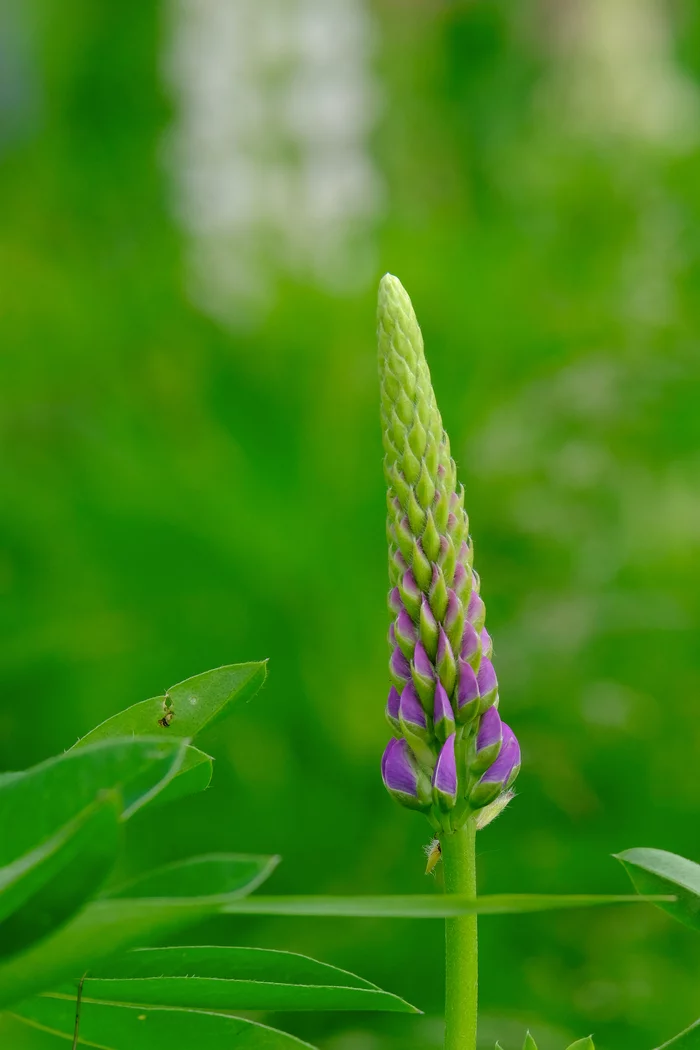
(689, 1039)
(656, 871)
(582, 1044)
(529, 1043)
(163, 901)
(187, 708)
(223, 978)
(42, 889)
(424, 906)
(140, 1028)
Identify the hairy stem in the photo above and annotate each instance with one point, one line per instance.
(461, 951)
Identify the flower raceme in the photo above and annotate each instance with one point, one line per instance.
(451, 755)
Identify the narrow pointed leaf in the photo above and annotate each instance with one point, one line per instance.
(188, 707)
(424, 906)
(529, 1043)
(656, 871)
(582, 1044)
(140, 1028)
(223, 978)
(163, 901)
(42, 889)
(689, 1039)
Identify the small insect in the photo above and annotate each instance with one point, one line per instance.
(433, 852)
(168, 714)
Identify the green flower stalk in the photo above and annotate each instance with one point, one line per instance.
(451, 756)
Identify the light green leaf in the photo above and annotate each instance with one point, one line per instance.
(689, 1039)
(51, 863)
(187, 708)
(194, 776)
(656, 871)
(140, 1028)
(223, 978)
(80, 837)
(423, 906)
(582, 1044)
(43, 888)
(529, 1043)
(163, 901)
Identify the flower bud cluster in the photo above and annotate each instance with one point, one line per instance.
(451, 754)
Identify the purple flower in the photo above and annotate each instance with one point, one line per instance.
(411, 710)
(399, 667)
(395, 603)
(486, 643)
(488, 683)
(471, 646)
(392, 708)
(467, 693)
(488, 740)
(405, 633)
(501, 774)
(461, 579)
(423, 675)
(476, 610)
(443, 715)
(445, 774)
(398, 771)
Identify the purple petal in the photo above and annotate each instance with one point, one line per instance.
(409, 584)
(486, 676)
(490, 730)
(392, 703)
(410, 708)
(468, 688)
(508, 759)
(398, 771)
(476, 609)
(405, 626)
(400, 665)
(470, 642)
(444, 649)
(442, 706)
(454, 607)
(421, 662)
(445, 772)
(486, 643)
(460, 577)
(395, 603)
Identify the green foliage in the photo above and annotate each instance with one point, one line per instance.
(657, 871)
(582, 1044)
(529, 1043)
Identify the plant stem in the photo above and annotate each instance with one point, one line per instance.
(461, 951)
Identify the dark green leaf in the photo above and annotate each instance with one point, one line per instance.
(689, 1039)
(170, 899)
(140, 1028)
(423, 906)
(222, 978)
(187, 707)
(656, 871)
(42, 889)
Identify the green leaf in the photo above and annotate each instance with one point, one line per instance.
(80, 837)
(223, 978)
(163, 901)
(656, 871)
(140, 1028)
(44, 887)
(186, 708)
(424, 906)
(529, 1043)
(582, 1044)
(194, 776)
(49, 860)
(689, 1039)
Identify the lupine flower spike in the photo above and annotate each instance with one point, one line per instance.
(451, 756)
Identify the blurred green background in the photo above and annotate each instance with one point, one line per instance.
(197, 201)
